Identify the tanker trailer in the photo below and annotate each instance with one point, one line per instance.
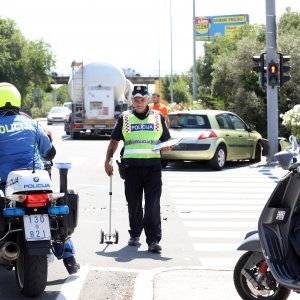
(97, 91)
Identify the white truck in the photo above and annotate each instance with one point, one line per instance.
(99, 92)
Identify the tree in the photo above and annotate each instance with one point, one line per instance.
(23, 63)
(289, 22)
(62, 94)
(180, 89)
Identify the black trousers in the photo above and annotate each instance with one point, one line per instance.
(147, 181)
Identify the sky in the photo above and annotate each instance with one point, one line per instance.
(153, 37)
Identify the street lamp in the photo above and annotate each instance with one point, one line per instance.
(195, 97)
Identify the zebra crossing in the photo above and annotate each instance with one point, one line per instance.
(219, 208)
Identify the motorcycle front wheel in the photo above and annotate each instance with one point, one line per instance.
(31, 273)
(268, 289)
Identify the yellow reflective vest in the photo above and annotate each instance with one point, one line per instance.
(141, 135)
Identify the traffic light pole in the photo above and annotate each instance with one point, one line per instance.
(272, 91)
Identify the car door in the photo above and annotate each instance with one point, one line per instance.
(243, 144)
(228, 133)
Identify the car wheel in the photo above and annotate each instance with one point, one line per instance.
(258, 150)
(49, 123)
(219, 159)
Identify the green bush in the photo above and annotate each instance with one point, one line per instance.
(36, 112)
(291, 120)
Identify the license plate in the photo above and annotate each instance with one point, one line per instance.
(100, 126)
(37, 227)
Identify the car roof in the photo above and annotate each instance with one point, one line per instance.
(210, 112)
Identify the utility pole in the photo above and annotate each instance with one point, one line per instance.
(171, 42)
(195, 96)
(272, 91)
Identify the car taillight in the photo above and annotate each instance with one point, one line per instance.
(36, 200)
(207, 134)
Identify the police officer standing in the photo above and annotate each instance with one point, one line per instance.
(140, 129)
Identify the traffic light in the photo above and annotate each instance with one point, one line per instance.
(284, 68)
(273, 79)
(259, 66)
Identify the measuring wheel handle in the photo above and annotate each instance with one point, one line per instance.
(101, 236)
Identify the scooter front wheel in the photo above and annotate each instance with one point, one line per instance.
(249, 288)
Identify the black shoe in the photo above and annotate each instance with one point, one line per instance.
(71, 265)
(154, 247)
(134, 241)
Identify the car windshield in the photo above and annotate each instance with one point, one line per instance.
(58, 109)
(189, 121)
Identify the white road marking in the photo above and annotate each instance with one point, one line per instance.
(216, 234)
(218, 215)
(220, 200)
(73, 285)
(205, 208)
(215, 247)
(219, 224)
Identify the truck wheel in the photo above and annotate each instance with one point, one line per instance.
(74, 135)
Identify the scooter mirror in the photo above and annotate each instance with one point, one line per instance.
(285, 159)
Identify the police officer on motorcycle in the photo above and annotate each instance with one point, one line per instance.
(23, 143)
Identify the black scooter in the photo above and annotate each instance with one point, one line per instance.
(270, 269)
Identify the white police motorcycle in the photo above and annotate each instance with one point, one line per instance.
(270, 267)
(32, 218)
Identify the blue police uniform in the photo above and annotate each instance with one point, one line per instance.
(22, 141)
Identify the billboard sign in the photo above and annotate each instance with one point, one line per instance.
(209, 26)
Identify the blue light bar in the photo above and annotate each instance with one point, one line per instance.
(63, 165)
(13, 212)
(58, 210)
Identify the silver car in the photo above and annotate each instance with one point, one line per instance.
(212, 135)
(57, 114)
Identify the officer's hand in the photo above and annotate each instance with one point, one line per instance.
(167, 148)
(108, 168)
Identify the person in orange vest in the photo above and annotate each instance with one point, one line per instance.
(156, 105)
